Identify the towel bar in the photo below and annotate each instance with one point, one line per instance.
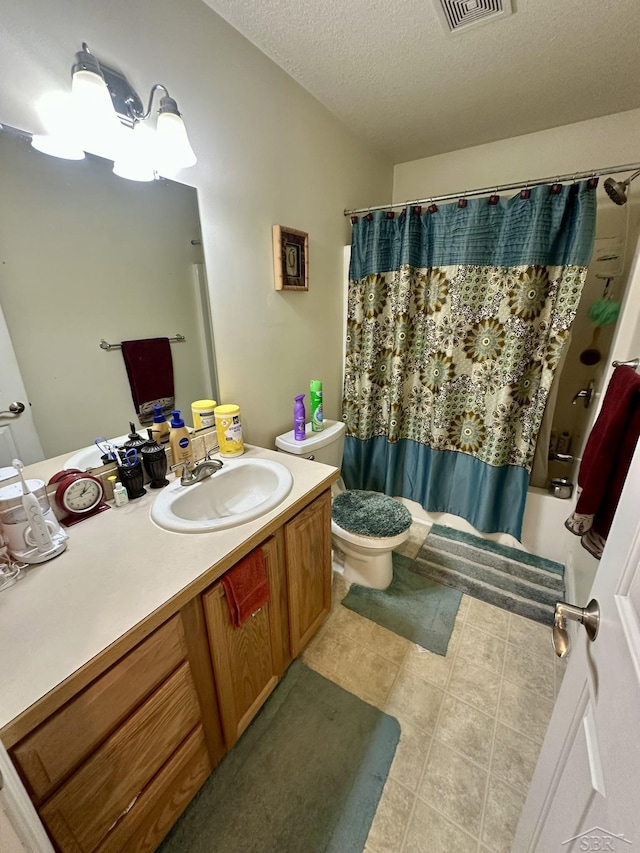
(633, 363)
(177, 340)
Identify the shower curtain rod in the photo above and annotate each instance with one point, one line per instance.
(556, 179)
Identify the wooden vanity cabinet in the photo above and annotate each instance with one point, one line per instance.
(308, 548)
(111, 766)
(247, 661)
(114, 767)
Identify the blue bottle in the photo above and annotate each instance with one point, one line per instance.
(299, 419)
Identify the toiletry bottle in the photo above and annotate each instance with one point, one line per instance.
(564, 442)
(120, 496)
(317, 424)
(154, 461)
(134, 439)
(181, 450)
(299, 419)
(160, 426)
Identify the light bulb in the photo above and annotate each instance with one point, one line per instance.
(174, 151)
(58, 117)
(136, 154)
(98, 125)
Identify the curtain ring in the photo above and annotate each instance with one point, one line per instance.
(526, 192)
(433, 207)
(462, 202)
(369, 216)
(494, 198)
(592, 183)
(354, 220)
(556, 188)
(417, 209)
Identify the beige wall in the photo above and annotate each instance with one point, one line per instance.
(267, 153)
(607, 141)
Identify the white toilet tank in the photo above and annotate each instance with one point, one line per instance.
(325, 446)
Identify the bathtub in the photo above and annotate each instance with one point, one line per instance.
(543, 533)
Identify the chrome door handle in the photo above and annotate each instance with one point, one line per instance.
(589, 616)
(14, 409)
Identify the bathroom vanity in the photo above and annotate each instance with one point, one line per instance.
(127, 683)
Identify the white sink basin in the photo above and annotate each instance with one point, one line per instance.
(243, 490)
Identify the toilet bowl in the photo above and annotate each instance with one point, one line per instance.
(366, 526)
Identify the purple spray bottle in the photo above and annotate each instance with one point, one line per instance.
(299, 419)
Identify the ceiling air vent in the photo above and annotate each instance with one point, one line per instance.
(457, 15)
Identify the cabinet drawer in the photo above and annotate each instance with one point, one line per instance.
(162, 802)
(81, 813)
(48, 754)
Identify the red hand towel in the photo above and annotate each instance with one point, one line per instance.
(247, 587)
(609, 450)
(150, 371)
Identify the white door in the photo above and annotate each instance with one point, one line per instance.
(585, 793)
(18, 436)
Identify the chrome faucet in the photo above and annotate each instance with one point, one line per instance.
(192, 474)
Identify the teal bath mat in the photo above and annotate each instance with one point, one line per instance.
(413, 606)
(506, 577)
(306, 775)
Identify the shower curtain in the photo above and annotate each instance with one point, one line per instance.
(457, 317)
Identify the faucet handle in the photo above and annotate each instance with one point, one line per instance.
(210, 454)
(187, 467)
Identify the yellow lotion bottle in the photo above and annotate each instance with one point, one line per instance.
(160, 428)
(180, 441)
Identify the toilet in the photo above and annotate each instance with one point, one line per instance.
(365, 526)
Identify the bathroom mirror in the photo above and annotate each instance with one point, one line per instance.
(88, 256)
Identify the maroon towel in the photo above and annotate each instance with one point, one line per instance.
(247, 587)
(606, 458)
(150, 371)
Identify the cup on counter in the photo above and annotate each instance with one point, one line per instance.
(130, 473)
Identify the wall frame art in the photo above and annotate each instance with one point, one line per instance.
(290, 258)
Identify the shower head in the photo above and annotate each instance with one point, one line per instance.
(617, 191)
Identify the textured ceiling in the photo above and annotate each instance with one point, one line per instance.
(390, 73)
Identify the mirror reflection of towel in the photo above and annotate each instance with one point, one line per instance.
(606, 460)
(150, 370)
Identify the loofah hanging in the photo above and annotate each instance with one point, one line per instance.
(604, 312)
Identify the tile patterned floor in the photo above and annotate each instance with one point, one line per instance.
(472, 722)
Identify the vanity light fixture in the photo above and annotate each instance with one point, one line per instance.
(105, 116)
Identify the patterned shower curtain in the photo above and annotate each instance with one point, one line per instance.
(457, 317)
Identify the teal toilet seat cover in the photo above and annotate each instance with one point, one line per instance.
(370, 514)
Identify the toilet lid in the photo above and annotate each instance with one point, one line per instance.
(370, 513)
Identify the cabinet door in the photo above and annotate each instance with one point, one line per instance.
(308, 558)
(247, 661)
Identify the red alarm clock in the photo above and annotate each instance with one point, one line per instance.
(79, 495)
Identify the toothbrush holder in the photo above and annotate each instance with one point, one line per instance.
(132, 478)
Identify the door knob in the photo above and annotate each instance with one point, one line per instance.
(589, 616)
(14, 409)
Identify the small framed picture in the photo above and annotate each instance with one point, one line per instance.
(290, 258)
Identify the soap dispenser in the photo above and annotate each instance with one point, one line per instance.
(154, 460)
(160, 426)
(134, 439)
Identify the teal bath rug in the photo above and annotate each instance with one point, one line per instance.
(413, 606)
(306, 775)
(506, 577)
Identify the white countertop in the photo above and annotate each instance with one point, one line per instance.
(117, 570)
